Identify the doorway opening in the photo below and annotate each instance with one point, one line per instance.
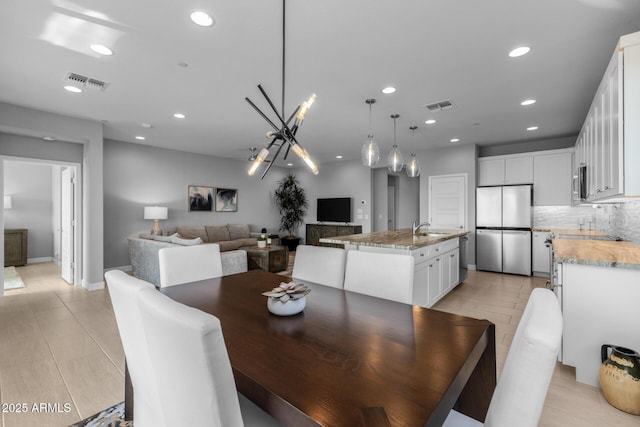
(46, 200)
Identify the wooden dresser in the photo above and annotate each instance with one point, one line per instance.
(15, 246)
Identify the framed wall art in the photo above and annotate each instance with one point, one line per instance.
(200, 198)
(226, 200)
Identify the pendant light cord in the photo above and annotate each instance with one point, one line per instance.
(283, 52)
(394, 132)
(370, 135)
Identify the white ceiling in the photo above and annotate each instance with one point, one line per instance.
(344, 51)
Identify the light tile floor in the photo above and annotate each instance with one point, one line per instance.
(59, 345)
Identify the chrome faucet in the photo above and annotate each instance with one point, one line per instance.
(417, 227)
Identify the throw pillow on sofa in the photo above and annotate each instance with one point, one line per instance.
(239, 231)
(186, 242)
(191, 232)
(217, 233)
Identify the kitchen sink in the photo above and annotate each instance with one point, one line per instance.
(433, 234)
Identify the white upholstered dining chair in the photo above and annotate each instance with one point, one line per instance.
(382, 275)
(124, 290)
(521, 390)
(320, 265)
(183, 264)
(192, 368)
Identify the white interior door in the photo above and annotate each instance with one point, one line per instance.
(448, 201)
(66, 224)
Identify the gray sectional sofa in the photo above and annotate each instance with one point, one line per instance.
(143, 249)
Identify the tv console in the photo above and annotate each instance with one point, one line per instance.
(317, 231)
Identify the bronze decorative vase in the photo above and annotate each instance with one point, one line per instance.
(620, 378)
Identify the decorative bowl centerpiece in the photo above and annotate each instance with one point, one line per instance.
(287, 299)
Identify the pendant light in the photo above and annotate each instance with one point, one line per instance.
(413, 167)
(395, 162)
(370, 153)
(283, 135)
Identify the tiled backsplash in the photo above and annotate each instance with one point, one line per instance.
(620, 220)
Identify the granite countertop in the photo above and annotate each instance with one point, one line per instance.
(603, 253)
(397, 239)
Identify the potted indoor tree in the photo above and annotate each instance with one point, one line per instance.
(292, 203)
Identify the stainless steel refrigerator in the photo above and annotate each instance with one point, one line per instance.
(503, 229)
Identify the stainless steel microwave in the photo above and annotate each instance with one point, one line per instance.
(579, 187)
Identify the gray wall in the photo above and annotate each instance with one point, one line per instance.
(136, 176)
(446, 161)
(380, 199)
(17, 120)
(30, 188)
(407, 199)
(339, 179)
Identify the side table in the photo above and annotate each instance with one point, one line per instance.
(272, 258)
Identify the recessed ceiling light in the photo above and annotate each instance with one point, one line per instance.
(179, 116)
(532, 128)
(146, 125)
(454, 140)
(289, 164)
(48, 138)
(101, 49)
(430, 121)
(338, 157)
(528, 102)
(73, 89)
(141, 138)
(200, 18)
(519, 51)
(388, 90)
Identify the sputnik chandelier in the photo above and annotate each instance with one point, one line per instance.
(282, 135)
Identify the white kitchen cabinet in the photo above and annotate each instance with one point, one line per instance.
(609, 142)
(452, 264)
(505, 170)
(552, 179)
(518, 170)
(549, 171)
(490, 171)
(436, 269)
(599, 307)
(434, 282)
(541, 254)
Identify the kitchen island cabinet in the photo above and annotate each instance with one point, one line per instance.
(436, 257)
(599, 285)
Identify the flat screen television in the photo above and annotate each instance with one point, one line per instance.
(337, 209)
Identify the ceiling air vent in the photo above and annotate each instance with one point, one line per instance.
(440, 106)
(86, 82)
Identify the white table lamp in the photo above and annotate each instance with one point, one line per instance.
(156, 213)
(7, 202)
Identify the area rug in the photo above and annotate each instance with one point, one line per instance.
(12, 279)
(111, 417)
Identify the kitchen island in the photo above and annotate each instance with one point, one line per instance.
(598, 284)
(436, 256)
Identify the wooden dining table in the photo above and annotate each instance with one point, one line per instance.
(348, 359)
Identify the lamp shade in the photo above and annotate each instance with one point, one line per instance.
(156, 212)
(7, 202)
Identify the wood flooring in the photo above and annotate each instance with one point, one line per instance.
(59, 346)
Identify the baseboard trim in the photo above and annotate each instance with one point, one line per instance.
(39, 260)
(93, 286)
